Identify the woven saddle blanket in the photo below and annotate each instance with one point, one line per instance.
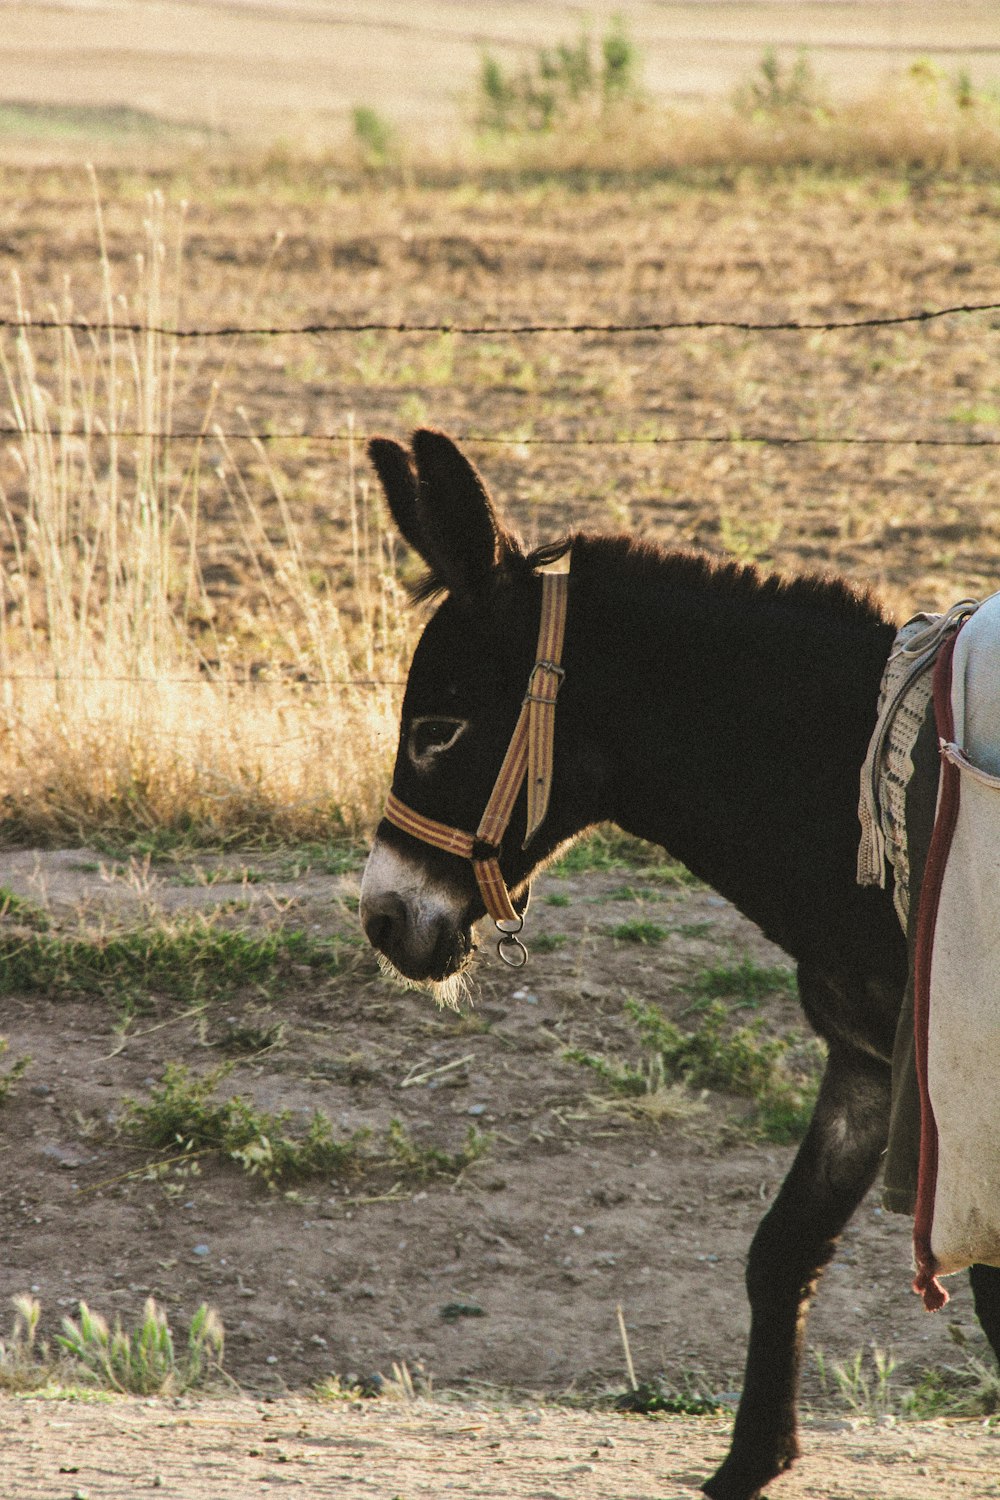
(930, 809)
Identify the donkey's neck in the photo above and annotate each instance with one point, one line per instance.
(731, 713)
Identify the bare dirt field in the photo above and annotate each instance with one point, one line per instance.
(880, 477)
(150, 76)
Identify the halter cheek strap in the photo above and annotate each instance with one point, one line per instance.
(528, 757)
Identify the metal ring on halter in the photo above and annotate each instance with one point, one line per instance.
(510, 949)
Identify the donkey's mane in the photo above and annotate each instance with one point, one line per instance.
(647, 564)
(610, 556)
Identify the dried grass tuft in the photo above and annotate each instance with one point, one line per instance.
(125, 706)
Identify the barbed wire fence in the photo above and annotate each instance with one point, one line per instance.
(496, 329)
(318, 329)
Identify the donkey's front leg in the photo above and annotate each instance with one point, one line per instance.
(833, 1170)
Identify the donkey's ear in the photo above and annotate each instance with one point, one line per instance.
(467, 541)
(394, 467)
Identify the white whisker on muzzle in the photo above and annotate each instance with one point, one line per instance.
(454, 993)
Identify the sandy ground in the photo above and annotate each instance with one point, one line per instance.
(230, 1449)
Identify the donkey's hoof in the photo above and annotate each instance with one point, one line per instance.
(739, 1481)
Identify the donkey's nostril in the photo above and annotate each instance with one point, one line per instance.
(383, 918)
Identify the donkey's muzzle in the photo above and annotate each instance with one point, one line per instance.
(420, 946)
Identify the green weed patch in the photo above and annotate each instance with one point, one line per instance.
(713, 1056)
(639, 931)
(183, 1115)
(146, 1361)
(15, 908)
(193, 961)
(746, 981)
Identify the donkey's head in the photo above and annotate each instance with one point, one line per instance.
(463, 697)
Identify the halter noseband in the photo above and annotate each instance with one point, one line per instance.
(529, 755)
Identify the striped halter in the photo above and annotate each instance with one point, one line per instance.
(529, 755)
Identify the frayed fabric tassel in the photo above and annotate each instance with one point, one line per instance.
(927, 1286)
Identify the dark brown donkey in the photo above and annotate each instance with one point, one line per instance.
(721, 714)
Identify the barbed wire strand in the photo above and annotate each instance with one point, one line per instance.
(232, 330)
(213, 682)
(764, 439)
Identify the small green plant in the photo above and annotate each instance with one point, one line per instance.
(621, 1077)
(16, 1070)
(341, 1388)
(747, 981)
(741, 1061)
(968, 1389)
(373, 135)
(620, 62)
(865, 1388)
(693, 929)
(607, 849)
(24, 1362)
(145, 1361)
(962, 90)
(650, 1396)
(559, 85)
(548, 942)
(639, 931)
(749, 541)
(24, 913)
(244, 1037)
(556, 898)
(781, 88)
(451, 1312)
(634, 893)
(422, 1162)
(986, 413)
(201, 876)
(181, 1115)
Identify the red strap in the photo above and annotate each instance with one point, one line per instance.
(926, 1283)
(543, 687)
(451, 840)
(530, 753)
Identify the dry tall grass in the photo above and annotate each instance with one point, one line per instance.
(922, 121)
(124, 705)
(903, 130)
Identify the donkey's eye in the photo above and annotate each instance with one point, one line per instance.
(428, 737)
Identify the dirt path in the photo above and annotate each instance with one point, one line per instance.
(575, 1206)
(230, 1449)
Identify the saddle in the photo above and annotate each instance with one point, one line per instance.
(930, 810)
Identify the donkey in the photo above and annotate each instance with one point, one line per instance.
(719, 713)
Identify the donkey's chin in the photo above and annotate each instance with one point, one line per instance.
(452, 992)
